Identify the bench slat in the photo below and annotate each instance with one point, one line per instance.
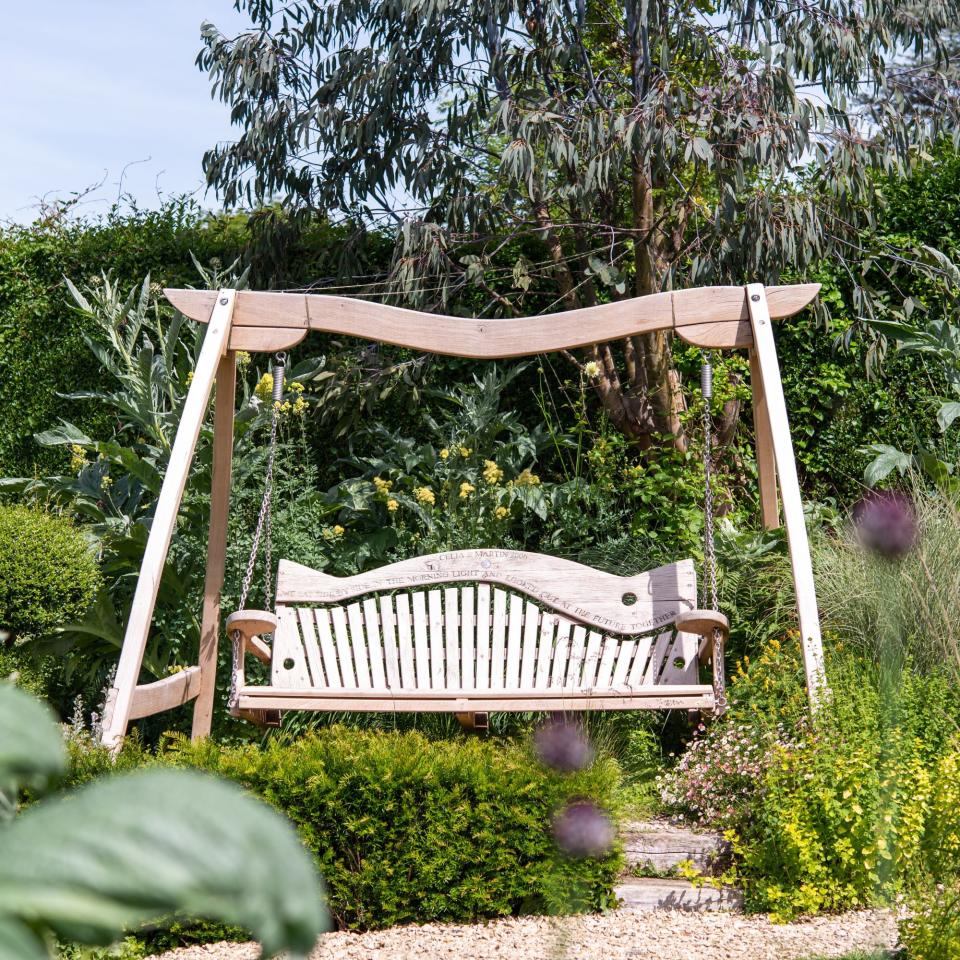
(545, 651)
(561, 656)
(467, 630)
(514, 642)
(330, 666)
(374, 644)
(407, 672)
(421, 641)
(483, 636)
(605, 670)
(652, 674)
(308, 629)
(497, 659)
(591, 661)
(578, 653)
(344, 653)
(358, 644)
(436, 640)
(528, 655)
(637, 669)
(624, 658)
(391, 654)
(451, 636)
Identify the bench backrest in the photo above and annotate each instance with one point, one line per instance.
(478, 620)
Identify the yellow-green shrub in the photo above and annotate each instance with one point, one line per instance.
(48, 574)
(407, 829)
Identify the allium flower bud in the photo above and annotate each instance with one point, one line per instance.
(563, 746)
(582, 830)
(886, 524)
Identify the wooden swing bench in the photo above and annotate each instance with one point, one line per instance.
(473, 631)
(487, 630)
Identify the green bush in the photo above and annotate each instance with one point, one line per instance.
(49, 573)
(406, 829)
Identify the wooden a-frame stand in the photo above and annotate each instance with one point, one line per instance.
(711, 317)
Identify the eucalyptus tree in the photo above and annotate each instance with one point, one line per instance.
(632, 145)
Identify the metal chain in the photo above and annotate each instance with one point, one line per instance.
(265, 518)
(709, 550)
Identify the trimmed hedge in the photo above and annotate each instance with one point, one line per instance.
(407, 829)
(48, 574)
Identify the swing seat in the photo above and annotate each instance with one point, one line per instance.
(474, 631)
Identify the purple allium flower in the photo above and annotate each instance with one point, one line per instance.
(581, 830)
(563, 746)
(886, 524)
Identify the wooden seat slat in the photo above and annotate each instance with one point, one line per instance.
(327, 650)
(605, 671)
(483, 637)
(528, 655)
(561, 656)
(435, 632)
(404, 632)
(371, 622)
(468, 624)
(591, 662)
(390, 650)
(578, 653)
(344, 653)
(309, 632)
(640, 658)
(358, 646)
(623, 661)
(451, 638)
(421, 641)
(498, 641)
(655, 665)
(545, 651)
(514, 642)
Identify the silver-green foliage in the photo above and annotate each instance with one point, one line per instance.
(136, 848)
(574, 151)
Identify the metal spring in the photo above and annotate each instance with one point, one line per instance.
(706, 380)
(279, 365)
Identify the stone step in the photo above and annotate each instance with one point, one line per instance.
(658, 846)
(643, 894)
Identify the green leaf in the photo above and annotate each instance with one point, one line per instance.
(65, 433)
(133, 849)
(947, 414)
(19, 942)
(887, 460)
(31, 747)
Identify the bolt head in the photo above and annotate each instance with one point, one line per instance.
(755, 297)
(223, 301)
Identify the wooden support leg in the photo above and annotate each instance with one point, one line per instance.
(120, 696)
(766, 465)
(216, 543)
(769, 377)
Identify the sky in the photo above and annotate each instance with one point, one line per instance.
(105, 90)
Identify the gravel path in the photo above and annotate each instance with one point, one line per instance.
(620, 935)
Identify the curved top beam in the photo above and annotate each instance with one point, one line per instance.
(705, 316)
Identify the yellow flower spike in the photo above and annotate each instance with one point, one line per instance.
(383, 486)
(78, 457)
(264, 387)
(106, 483)
(425, 495)
(501, 513)
(465, 451)
(466, 489)
(296, 386)
(392, 505)
(243, 358)
(338, 531)
(491, 472)
(299, 407)
(189, 379)
(527, 479)
(444, 453)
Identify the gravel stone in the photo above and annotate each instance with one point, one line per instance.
(618, 935)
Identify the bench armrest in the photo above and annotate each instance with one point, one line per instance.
(250, 624)
(704, 622)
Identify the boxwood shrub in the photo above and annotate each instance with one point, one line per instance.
(48, 573)
(408, 829)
